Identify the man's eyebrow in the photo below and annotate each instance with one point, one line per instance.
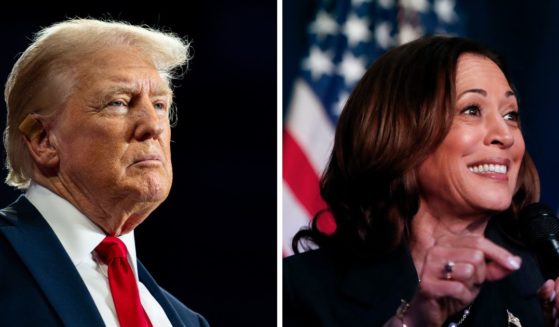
(134, 88)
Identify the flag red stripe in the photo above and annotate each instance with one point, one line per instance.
(299, 174)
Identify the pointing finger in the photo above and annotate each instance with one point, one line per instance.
(500, 262)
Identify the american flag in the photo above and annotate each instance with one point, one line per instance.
(344, 38)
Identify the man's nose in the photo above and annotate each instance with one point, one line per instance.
(149, 122)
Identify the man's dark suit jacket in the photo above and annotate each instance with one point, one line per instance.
(40, 286)
(323, 288)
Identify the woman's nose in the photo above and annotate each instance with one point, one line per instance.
(499, 131)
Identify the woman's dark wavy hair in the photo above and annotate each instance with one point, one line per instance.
(399, 112)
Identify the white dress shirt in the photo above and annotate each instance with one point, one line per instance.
(79, 237)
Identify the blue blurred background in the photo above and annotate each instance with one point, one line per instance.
(525, 34)
(213, 242)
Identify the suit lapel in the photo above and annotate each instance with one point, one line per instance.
(156, 292)
(43, 254)
(377, 287)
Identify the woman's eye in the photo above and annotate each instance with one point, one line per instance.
(472, 110)
(512, 116)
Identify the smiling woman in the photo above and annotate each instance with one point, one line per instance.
(425, 180)
(483, 149)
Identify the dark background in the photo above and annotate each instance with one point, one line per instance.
(213, 242)
(526, 34)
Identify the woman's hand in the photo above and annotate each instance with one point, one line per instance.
(550, 303)
(453, 272)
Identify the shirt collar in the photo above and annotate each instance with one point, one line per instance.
(77, 233)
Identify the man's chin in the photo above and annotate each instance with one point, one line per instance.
(151, 190)
(153, 196)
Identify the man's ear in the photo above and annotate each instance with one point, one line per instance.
(38, 140)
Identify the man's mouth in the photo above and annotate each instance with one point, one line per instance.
(147, 159)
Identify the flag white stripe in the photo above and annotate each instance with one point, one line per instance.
(309, 126)
(294, 218)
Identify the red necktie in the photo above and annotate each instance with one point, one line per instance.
(123, 284)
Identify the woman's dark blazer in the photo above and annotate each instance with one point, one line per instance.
(325, 288)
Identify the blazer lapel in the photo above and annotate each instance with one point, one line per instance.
(43, 254)
(378, 287)
(156, 292)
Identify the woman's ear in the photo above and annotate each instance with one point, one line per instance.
(38, 140)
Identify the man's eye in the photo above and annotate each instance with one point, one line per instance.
(160, 106)
(116, 103)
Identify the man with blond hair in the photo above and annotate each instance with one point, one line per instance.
(88, 140)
